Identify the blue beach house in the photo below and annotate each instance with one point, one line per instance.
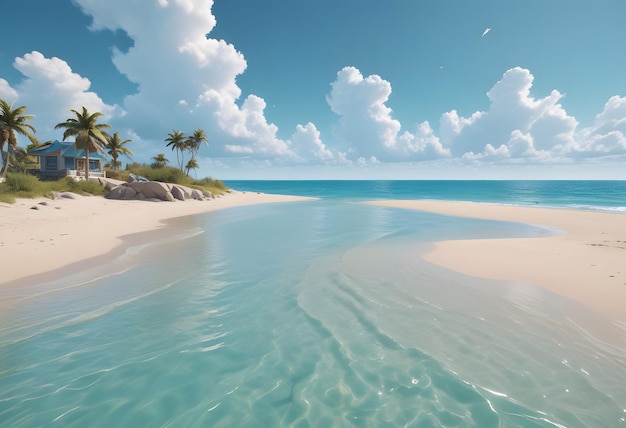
(60, 159)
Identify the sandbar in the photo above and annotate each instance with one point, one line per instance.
(586, 262)
(42, 235)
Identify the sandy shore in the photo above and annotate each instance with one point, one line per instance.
(586, 263)
(65, 231)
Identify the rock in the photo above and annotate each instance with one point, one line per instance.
(154, 190)
(151, 189)
(134, 178)
(59, 195)
(122, 191)
(129, 193)
(178, 192)
(116, 192)
(197, 195)
(34, 207)
(43, 203)
(109, 183)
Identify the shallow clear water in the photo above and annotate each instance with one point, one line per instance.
(304, 314)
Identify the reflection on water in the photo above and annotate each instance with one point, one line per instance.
(307, 314)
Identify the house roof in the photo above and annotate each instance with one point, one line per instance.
(66, 148)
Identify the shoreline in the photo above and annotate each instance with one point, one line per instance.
(38, 245)
(586, 263)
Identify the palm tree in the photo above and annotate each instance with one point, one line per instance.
(195, 140)
(116, 148)
(159, 161)
(192, 164)
(21, 161)
(176, 139)
(13, 121)
(90, 136)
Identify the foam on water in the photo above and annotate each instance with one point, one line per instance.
(308, 314)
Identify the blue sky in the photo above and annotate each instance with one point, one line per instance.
(336, 89)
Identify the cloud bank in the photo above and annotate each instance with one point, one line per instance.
(186, 80)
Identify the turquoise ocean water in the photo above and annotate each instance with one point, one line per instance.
(316, 314)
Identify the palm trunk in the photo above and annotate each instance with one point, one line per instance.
(86, 164)
(5, 167)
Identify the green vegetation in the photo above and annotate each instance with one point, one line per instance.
(20, 185)
(176, 140)
(12, 122)
(160, 161)
(116, 148)
(90, 136)
(179, 142)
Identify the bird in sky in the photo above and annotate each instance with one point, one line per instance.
(486, 31)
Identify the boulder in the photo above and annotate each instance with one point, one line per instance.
(129, 192)
(197, 195)
(152, 189)
(65, 195)
(180, 192)
(133, 178)
(109, 183)
(116, 192)
(122, 191)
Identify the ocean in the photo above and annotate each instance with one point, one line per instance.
(314, 314)
(589, 194)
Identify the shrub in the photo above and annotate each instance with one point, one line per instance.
(68, 184)
(118, 174)
(20, 182)
(217, 187)
(167, 174)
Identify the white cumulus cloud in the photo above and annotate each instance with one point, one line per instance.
(50, 89)
(608, 135)
(516, 124)
(308, 144)
(7, 93)
(519, 127)
(366, 126)
(186, 80)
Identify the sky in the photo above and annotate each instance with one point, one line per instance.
(328, 89)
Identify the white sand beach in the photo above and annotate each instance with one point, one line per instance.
(65, 231)
(586, 263)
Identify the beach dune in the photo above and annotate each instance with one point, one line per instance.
(585, 262)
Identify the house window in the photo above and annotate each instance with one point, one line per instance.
(94, 165)
(51, 163)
